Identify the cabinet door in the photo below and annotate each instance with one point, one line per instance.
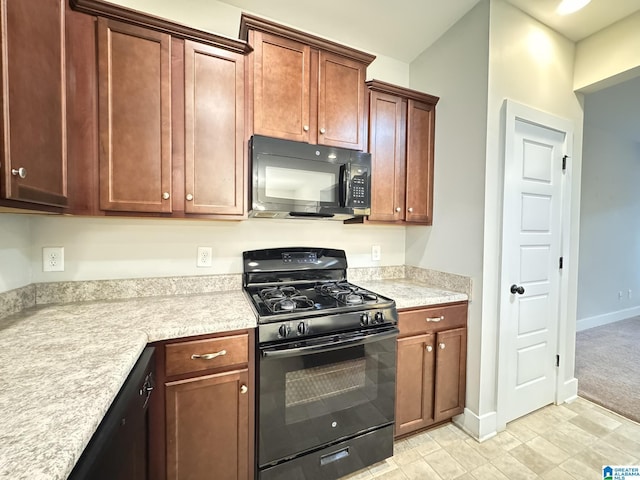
(214, 126)
(341, 101)
(207, 421)
(281, 87)
(451, 360)
(414, 383)
(33, 101)
(387, 130)
(420, 139)
(135, 118)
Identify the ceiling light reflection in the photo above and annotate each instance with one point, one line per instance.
(569, 6)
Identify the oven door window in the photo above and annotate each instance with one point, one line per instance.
(311, 399)
(296, 183)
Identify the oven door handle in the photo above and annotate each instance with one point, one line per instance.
(342, 342)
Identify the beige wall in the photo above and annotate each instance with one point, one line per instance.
(532, 65)
(455, 68)
(609, 56)
(15, 251)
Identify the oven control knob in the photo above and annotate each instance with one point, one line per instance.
(365, 319)
(303, 328)
(379, 316)
(284, 330)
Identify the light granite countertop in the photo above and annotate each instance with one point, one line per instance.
(409, 293)
(62, 365)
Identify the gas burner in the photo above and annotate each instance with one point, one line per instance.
(287, 304)
(347, 293)
(278, 292)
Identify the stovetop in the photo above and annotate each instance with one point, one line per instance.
(285, 301)
(302, 292)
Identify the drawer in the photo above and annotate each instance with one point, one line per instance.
(432, 319)
(198, 355)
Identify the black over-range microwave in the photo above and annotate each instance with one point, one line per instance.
(299, 180)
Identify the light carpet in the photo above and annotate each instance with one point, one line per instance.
(608, 366)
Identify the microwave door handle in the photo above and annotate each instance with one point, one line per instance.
(343, 185)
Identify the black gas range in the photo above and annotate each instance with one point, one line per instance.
(325, 365)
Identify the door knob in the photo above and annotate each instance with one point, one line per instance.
(519, 289)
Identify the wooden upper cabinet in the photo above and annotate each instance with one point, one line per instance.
(305, 88)
(33, 101)
(134, 117)
(341, 101)
(281, 98)
(387, 127)
(419, 171)
(401, 142)
(214, 127)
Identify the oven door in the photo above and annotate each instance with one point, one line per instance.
(322, 390)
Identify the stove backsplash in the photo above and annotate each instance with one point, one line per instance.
(91, 290)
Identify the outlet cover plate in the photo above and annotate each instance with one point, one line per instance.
(204, 257)
(53, 259)
(375, 253)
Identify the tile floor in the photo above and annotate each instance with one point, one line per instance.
(561, 442)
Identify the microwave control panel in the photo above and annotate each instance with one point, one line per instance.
(359, 190)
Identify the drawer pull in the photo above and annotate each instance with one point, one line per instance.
(441, 345)
(429, 348)
(244, 389)
(435, 319)
(208, 356)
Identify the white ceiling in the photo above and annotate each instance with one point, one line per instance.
(402, 29)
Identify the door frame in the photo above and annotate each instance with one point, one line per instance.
(515, 111)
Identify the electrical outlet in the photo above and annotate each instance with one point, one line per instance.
(629, 293)
(53, 259)
(620, 295)
(375, 253)
(204, 257)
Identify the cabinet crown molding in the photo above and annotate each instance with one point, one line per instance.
(384, 87)
(116, 12)
(250, 22)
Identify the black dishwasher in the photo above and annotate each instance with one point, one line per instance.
(119, 448)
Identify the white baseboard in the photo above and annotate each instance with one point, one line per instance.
(568, 391)
(481, 427)
(606, 318)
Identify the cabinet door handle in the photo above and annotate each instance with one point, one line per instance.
(322, 131)
(441, 345)
(166, 196)
(435, 319)
(20, 172)
(398, 209)
(244, 389)
(429, 348)
(189, 197)
(208, 356)
(305, 128)
(410, 210)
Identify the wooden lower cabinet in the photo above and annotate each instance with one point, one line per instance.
(207, 427)
(431, 366)
(202, 420)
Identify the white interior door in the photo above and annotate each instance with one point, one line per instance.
(531, 271)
